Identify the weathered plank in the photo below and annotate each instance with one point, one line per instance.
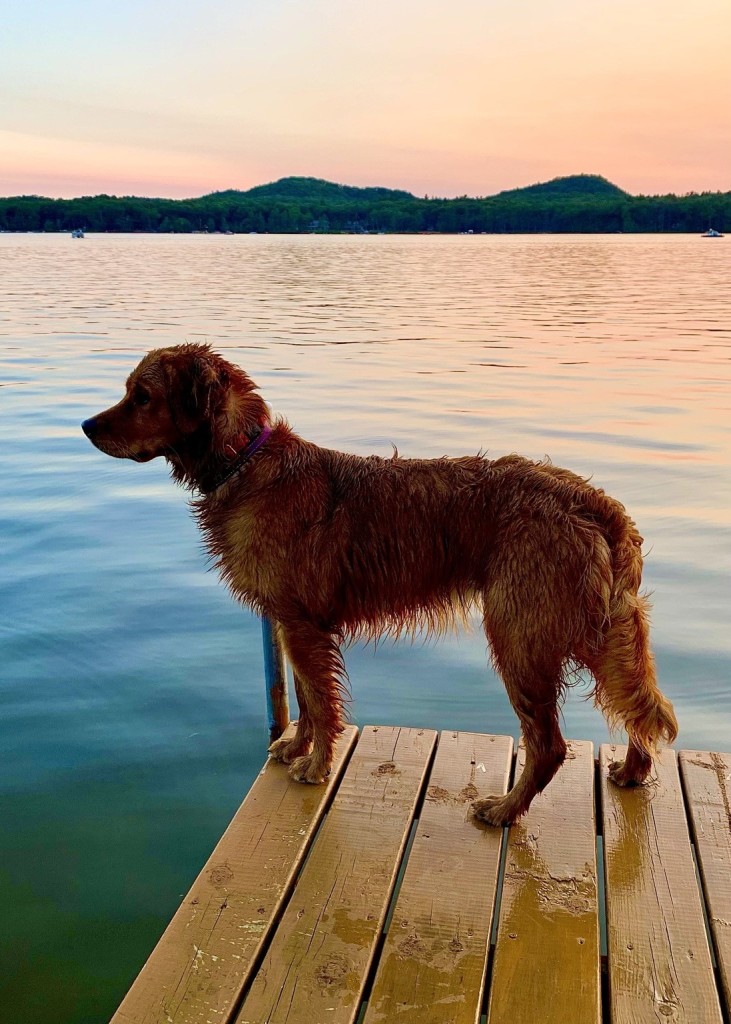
(546, 965)
(659, 961)
(707, 779)
(316, 966)
(200, 965)
(432, 967)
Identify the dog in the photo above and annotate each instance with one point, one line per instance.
(332, 547)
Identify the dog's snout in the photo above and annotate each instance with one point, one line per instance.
(90, 427)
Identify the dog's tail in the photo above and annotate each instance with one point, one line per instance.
(623, 665)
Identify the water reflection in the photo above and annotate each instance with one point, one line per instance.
(133, 683)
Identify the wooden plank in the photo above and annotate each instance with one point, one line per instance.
(316, 966)
(200, 965)
(659, 961)
(546, 966)
(432, 967)
(707, 778)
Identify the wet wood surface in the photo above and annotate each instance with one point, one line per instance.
(432, 967)
(317, 964)
(370, 899)
(201, 964)
(546, 965)
(707, 780)
(660, 966)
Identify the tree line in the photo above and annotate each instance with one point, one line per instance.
(241, 212)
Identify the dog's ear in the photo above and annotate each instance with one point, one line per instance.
(205, 389)
(197, 384)
(209, 381)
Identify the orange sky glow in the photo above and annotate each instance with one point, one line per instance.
(438, 98)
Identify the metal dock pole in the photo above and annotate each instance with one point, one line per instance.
(275, 675)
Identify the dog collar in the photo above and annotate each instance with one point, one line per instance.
(242, 458)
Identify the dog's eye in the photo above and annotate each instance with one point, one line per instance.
(142, 397)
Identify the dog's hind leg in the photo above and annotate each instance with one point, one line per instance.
(319, 675)
(529, 659)
(534, 695)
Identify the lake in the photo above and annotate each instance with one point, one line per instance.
(133, 699)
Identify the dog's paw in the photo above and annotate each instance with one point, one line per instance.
(495, 810)
(288, 751)
(309, 769)
(620, 776)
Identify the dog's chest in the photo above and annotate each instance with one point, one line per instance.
(238, 541)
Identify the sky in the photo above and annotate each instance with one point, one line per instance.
(184, 97)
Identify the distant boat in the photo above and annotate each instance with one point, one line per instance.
(711, 233)
(77, 233)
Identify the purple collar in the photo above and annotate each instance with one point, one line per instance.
(242, 458)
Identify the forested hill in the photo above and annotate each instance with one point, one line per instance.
(579, 203)
(312, 188)
(575, 186)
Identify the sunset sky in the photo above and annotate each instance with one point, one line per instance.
(163, 98)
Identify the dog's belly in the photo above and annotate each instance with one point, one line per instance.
(439, 613)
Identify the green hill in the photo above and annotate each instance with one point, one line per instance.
(574, 186)
(312, 188)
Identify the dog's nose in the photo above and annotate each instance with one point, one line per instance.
(89, 427)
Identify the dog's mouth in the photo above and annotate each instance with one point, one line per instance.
(120, 450)
(113, 448)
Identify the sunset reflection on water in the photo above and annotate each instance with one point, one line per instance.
(132, 683)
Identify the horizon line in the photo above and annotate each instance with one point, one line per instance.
(411, 195)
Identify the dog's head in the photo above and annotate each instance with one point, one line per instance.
(182, 402)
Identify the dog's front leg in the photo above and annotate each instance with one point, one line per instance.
(300, 744)
(319, 680)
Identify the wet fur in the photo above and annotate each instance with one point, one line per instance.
(334, 546)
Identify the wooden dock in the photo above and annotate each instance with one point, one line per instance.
(377, 899)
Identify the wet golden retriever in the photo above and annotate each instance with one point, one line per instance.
(333, 546)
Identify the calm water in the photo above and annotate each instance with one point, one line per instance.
(133, 718)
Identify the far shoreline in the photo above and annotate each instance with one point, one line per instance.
(580, 204)
(68, 232)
